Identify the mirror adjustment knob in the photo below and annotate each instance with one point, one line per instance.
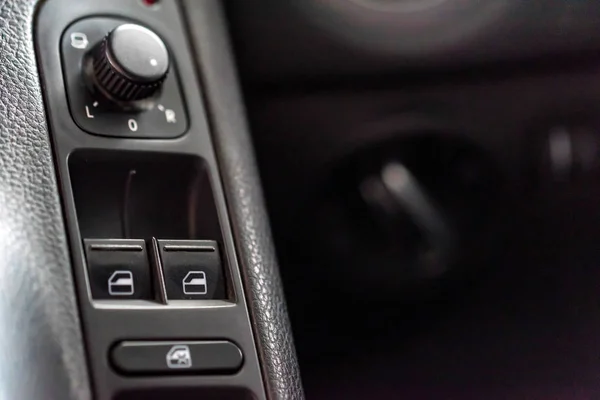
(129, 64)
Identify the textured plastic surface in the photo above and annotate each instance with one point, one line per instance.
(245, 200)
(41, 340)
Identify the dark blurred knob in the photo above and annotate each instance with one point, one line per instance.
(396, 192)
(406, 220)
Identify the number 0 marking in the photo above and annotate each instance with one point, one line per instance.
(133, 125)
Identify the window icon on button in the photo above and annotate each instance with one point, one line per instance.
(179, 356)
(195, 283)
(120, 283)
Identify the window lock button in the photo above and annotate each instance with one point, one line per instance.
(196, 357)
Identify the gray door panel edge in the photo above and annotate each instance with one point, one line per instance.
(40, 332)
(245, 200)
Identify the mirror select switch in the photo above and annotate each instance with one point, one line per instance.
(118, 269)
(192, 269)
